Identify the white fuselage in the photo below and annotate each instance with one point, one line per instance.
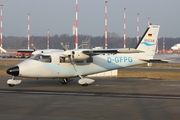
(57, 69)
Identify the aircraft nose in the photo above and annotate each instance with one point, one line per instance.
(14, 71)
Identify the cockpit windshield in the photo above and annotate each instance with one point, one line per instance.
(42, 58)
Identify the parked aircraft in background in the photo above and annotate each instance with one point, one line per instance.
(82, 62)
(176, 47)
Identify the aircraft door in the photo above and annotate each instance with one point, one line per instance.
(64, 67)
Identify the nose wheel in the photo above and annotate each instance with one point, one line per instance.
(12, 82)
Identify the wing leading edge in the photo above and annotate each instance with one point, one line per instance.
(110, 51)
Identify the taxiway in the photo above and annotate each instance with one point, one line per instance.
(105, 99)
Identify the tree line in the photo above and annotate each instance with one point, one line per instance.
(114, 41)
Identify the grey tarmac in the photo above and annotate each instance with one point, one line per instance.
(19, 105)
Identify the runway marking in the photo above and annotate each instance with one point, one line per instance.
(6, 91)
(94, 94)
(58, 93)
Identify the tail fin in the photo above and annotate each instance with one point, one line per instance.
(148, 42)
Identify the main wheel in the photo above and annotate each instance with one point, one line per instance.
(84, 84)
(65, 81)
(11, 85)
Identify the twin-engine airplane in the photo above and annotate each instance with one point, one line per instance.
(82, 62)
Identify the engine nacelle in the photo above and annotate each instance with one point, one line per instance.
(76, 54)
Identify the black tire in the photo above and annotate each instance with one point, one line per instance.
(65, 81)
(84, 84)
(11, 85)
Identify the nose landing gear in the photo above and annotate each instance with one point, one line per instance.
(12, 82)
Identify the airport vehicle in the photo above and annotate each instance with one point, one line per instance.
(20, 53)
(24, 53)
(82, 62)
(176, 47)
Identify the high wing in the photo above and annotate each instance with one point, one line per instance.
(81, 54)
(110, 51)
(121, 51)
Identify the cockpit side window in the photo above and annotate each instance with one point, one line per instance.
(42, 58)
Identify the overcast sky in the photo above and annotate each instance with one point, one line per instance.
(59, 16)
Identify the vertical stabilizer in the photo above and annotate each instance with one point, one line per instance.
(148, 42)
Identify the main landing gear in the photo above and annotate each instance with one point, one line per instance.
(12, 82)
(64, 81)
(82, 81)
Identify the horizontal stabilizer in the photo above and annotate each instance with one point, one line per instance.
(156, 60)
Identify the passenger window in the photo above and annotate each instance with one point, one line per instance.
(62, 60)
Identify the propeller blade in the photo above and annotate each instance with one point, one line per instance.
(33, 46)
(64, 47)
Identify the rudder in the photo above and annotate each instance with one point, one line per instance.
(148, 42)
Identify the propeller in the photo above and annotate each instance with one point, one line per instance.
(33, 46)
(71, 55)
(64, 47)
(68, 53)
